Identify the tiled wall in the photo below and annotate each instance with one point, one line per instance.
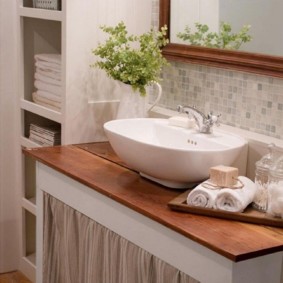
(245, 100)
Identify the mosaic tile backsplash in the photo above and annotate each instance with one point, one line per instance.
(248, 101)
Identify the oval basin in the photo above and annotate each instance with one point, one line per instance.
(172, 156)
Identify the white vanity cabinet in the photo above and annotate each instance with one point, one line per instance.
(192, 258)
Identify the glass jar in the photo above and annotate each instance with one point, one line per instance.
(261, 179)
(275, 189)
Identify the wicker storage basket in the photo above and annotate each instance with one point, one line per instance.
(47, 4)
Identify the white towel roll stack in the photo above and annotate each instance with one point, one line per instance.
(226, 199)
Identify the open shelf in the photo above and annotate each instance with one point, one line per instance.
(30, 234)
(28, 266)
(29, 192)
(26, 142)
(39, 36)
(29, 205)
(32, 118)
(31, 258)
(40, 13)
(41, 111)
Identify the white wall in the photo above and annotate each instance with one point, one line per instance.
(84, 84)
(9, 193)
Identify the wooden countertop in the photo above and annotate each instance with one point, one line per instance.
(90, 164)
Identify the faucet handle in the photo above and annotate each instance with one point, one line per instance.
(214, 118)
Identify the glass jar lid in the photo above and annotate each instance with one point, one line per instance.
(267, 161)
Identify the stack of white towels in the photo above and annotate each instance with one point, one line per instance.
(48, 81)
(226, 199)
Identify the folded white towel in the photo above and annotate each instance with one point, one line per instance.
(50, 57)
(38, 97)
(236, 200)
(48, 95)
(48, 66)
(48, 104)
(49, 73)
(275, 199)
(56, 90)
(202, 197)
(46, 79)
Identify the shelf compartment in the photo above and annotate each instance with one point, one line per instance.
(29, 184)
(27, 3)
(38, 36)
(30, 234)
(41, 111)
(29, 176)
(29, 118)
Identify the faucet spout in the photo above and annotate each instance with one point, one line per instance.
(204, 122)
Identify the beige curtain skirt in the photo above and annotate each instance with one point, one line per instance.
(77, 249)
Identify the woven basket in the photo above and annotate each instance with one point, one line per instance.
(47, 4)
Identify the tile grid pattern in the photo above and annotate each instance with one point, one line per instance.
(248, 101)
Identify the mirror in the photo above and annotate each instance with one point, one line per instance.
(268, 60)
(236, 14)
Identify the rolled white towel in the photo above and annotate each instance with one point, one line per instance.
(46, 79)
(202, 197)
(236, 200)
(275, 199)
(56, 90)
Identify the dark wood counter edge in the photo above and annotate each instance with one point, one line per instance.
(233, 257)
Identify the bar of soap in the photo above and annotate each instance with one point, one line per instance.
(183, 122)
(224, 176)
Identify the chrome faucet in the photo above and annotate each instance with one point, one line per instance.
(203, 122)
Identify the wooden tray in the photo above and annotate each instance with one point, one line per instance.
(250, 215)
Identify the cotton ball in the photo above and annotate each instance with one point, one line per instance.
(275, 200)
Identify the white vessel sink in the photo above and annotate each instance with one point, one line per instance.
(172, 156)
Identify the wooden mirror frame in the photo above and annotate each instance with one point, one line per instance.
(238, 60)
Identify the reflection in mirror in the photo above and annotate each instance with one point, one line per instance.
(264, 17)
(262, 55)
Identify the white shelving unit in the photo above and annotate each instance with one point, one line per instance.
(72, 32)
(40, 31)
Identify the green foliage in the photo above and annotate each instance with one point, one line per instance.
(224, 39)
(134, 60)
